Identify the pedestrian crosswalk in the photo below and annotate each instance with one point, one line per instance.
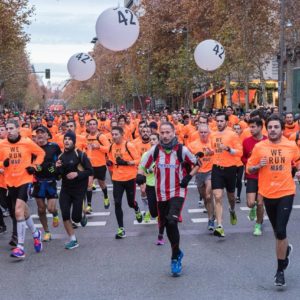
(89, 223)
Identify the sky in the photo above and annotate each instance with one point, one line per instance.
(61, 28)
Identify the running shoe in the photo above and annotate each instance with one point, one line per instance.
(17, 253)
(106, 203)
(279, 279)
(160, 240)
(139, 216)
(120, 233)
(233, 217)
(237, 200)
(55, 221)
(94, 187)
(71, 245)
(37, 242)
(288, 254)
(13, 241)
(2, 229)
(88, 209)
(219, 231)
(257, 230)
(84, 220)
(147, 217)
(252, 213)
(74, 225)
(211, 225)
(47, 237)
(176, 265)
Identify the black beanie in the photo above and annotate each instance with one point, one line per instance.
(71, 135)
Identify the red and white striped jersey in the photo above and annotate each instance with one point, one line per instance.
(168, 171)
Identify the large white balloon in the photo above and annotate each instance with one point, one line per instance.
(117, 28)
(81, 66)
(209, 55)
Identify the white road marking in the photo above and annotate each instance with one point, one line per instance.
(200, 220)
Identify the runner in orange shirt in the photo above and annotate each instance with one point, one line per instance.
(122, 123)
(97, 148)
(124, 159)
(203, 177)
(103, 122)
(232, 119)
(239, 164)
(272, 159)
(290, 126)
(16, 154)
(227, 147)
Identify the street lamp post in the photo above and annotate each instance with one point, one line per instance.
(281, 59)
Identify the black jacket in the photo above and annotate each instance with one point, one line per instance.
(75, 161)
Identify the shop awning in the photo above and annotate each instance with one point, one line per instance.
(207, 94)
(240, 95)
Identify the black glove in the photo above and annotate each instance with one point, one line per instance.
(185, 181)
(109, 163)
(140, 179)
(6, 163)
(121, 162)
(199, 154)
(30, 170)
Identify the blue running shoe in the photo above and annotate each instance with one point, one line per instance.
(37, 242)
(17, 253)
(176, 265)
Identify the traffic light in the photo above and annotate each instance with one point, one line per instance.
(47, 73)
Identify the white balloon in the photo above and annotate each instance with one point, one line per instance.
(117, 28)
(81, 66)
(209, 55)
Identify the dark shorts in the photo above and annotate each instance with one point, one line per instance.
(223, 177)
(251, 186)
(170, 210)
(202, 178)
(100, 172)
(45, 190)
(20, 192)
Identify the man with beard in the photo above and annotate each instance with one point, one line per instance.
(45, 185)
(143, 146)
(272, 159)
(290, 126)
(172, 180)
(104, 123)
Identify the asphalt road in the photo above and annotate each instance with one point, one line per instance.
(240, 266)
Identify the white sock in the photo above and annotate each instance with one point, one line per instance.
(73, 237)
(21, 230)
(145, 203)
(31, 226)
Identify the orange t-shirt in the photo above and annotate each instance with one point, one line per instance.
(20, 157)
(26, 132)
(232, 120)
(275, 179)
(293, 137)
(142, 147)
(230, 139)
(289, 130)
(97, 156)
(207, 161)
(124, 173)
(104, 126)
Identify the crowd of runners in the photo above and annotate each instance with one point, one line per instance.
(160, 151)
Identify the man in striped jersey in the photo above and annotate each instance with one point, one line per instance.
(172, 178)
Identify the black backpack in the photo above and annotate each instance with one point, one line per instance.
(184, 165)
